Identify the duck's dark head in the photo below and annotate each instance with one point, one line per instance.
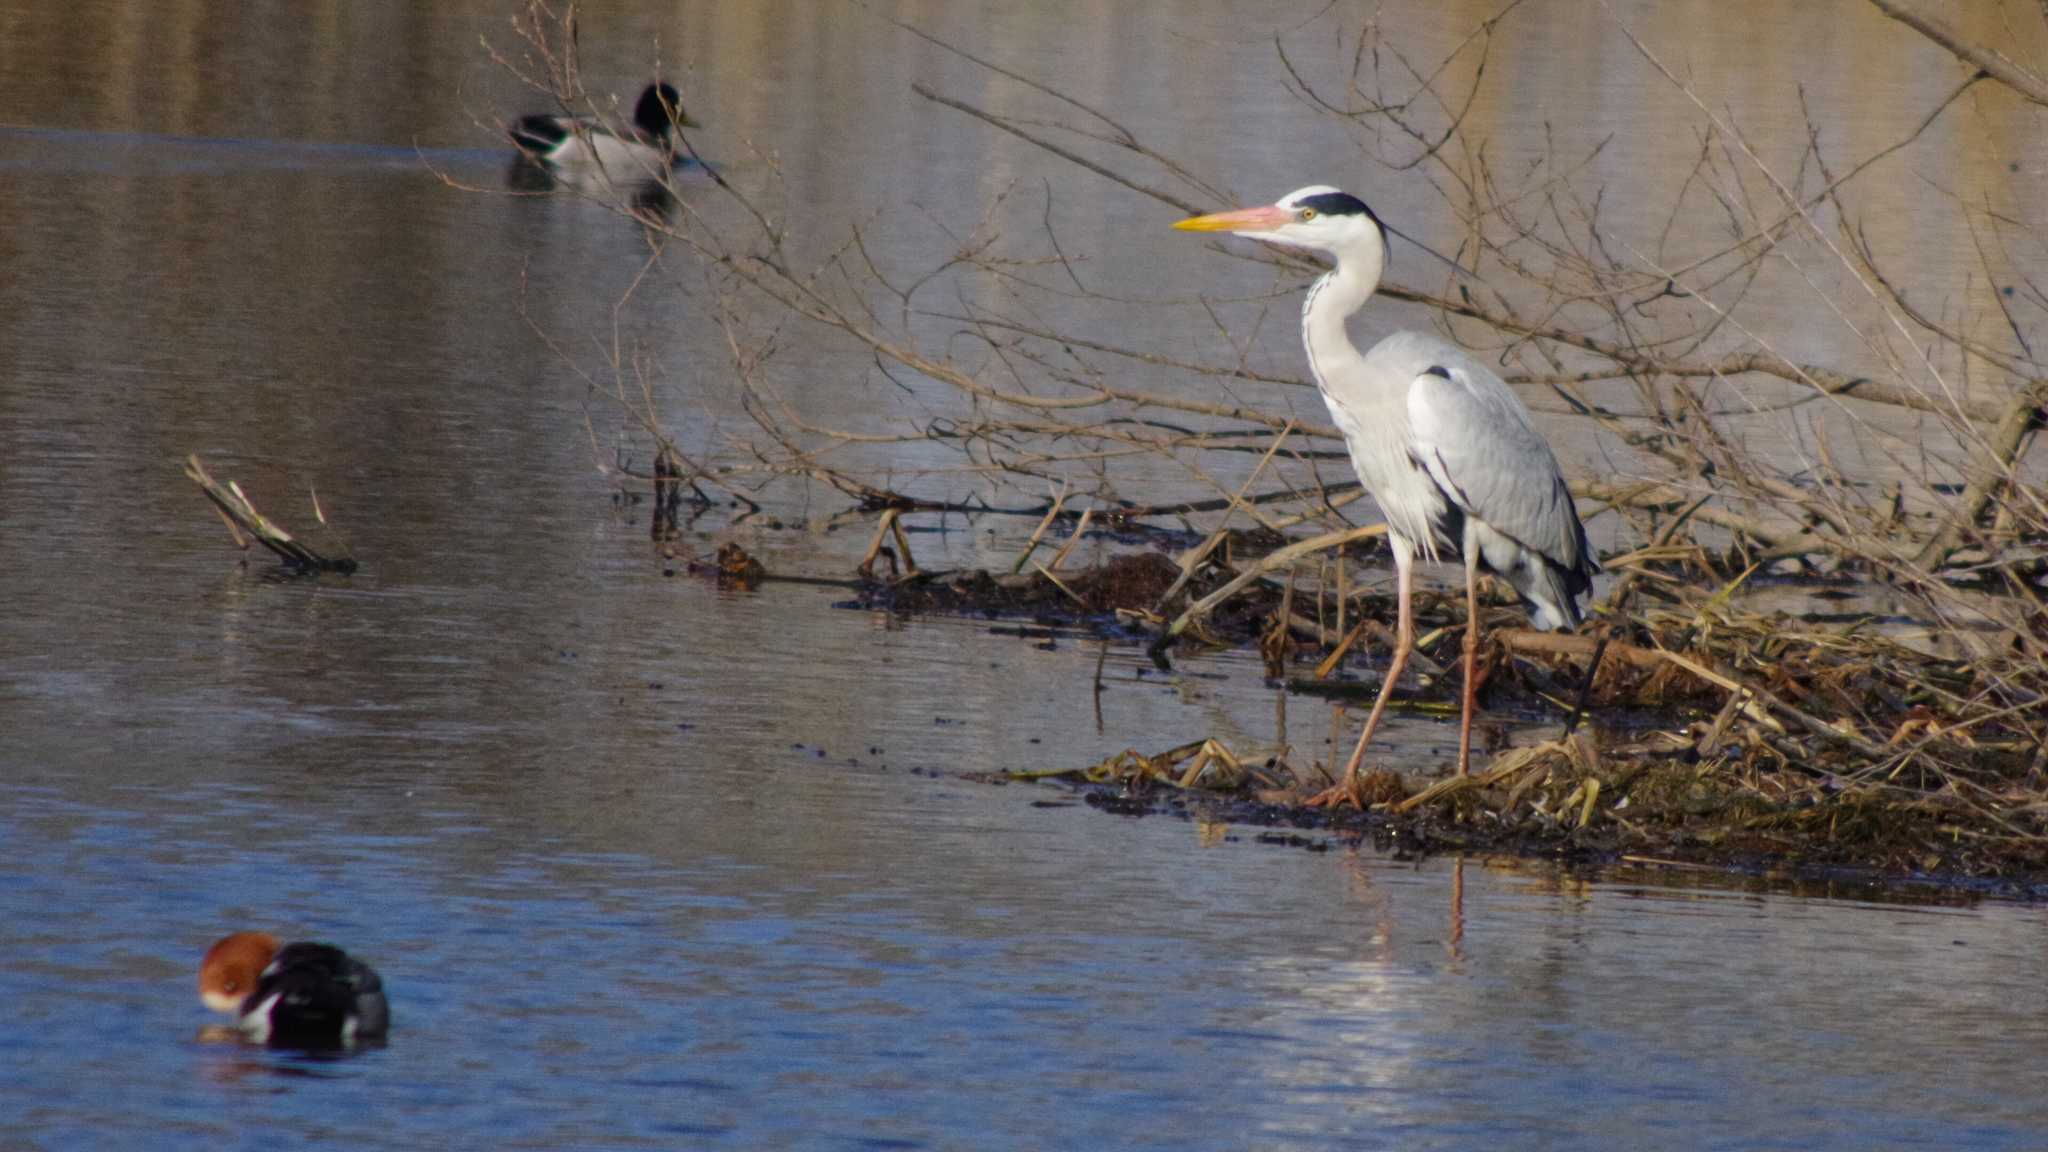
(660, 110)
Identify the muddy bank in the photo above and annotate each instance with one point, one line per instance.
(1712, 737)
(1672, 820)
(1111, 597)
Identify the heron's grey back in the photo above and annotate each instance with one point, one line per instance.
(1475, 436)
(1451, 452)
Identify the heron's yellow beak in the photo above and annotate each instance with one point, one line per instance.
(1264, 219)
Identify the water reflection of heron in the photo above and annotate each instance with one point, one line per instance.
(1441, 442)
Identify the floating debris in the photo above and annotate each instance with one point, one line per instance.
(245, 523)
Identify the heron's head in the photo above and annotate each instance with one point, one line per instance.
(1317, 217)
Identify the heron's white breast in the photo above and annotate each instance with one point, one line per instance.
(1374, 421)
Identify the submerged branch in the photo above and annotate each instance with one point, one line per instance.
(246, 523)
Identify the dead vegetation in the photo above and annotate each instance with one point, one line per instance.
(248, 526)
(1753, 738)
(1913, 740)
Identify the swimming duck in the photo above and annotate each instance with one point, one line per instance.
(571, 143)
(293, 995)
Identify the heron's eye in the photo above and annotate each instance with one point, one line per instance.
(1307, 214)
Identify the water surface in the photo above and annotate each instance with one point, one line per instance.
(650, 863)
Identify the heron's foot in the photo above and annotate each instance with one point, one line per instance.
(1337, 796)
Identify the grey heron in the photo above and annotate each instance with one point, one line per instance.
(574, 144)
(1440, 440)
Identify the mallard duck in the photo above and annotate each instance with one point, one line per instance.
(577, 143)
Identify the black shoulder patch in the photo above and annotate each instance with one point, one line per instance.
(1437, 370)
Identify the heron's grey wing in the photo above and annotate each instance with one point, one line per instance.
(1475, 439)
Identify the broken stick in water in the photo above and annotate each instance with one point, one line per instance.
(248, 524)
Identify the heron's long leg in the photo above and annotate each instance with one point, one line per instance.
(1471, 658)
(1404, 639)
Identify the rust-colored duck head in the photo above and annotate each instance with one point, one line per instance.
(230, 970)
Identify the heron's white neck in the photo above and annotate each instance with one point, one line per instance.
(1332, 300)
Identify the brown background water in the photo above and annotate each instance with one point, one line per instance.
(647, 863)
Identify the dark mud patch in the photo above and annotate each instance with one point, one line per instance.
(1130, 584)
(1658, 813)
(1121, 598)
